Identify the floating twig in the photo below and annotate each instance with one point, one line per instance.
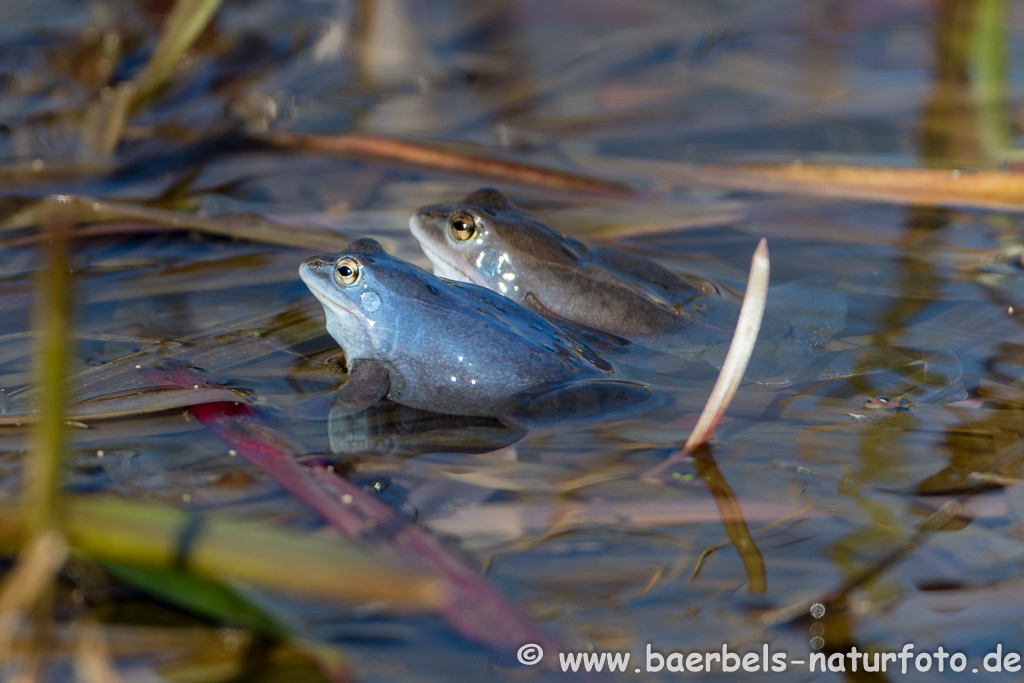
(131, 219)
(435, 155)
(132, 403)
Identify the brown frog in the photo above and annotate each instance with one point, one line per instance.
(487, 240)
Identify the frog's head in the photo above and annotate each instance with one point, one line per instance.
(354, 288)
(484, 239)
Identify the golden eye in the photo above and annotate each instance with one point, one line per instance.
(347, 272)
(462, 226)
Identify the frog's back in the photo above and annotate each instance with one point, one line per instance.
(632, 295)
(600, 286)
(499, 349)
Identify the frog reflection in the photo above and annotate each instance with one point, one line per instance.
(390, 429)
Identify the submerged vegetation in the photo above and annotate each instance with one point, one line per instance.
(167, 166)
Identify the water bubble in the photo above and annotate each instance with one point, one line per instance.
(817, 610)
(370, 301)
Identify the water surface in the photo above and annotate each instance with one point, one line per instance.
(830, 476)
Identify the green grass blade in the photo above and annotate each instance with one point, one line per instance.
(183, 25)
(989, 81)
(108, 529)
(41, 494)
(202, 596)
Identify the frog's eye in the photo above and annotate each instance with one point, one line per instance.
(347, 272)
(462, 226)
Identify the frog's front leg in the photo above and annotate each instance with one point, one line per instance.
(563, 404)
(367, 383)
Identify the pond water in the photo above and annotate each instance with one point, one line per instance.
(837, 481)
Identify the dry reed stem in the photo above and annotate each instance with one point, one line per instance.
(735, 364)
(93, 660)
(433, 155)
(34, 572)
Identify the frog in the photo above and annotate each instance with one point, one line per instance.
(487, 240)
(449, 347)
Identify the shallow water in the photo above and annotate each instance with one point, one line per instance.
(829, 475)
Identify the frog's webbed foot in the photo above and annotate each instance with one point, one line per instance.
(923, 374)
(562, 404)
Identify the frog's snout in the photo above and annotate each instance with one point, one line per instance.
(429, 214)
(316, 263)
(313, 269)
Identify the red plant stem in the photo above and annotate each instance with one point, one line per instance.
(475, 609)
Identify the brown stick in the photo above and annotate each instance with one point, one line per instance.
(437, 157)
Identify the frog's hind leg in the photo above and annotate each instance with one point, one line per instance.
(561, 404)
(798, 321)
